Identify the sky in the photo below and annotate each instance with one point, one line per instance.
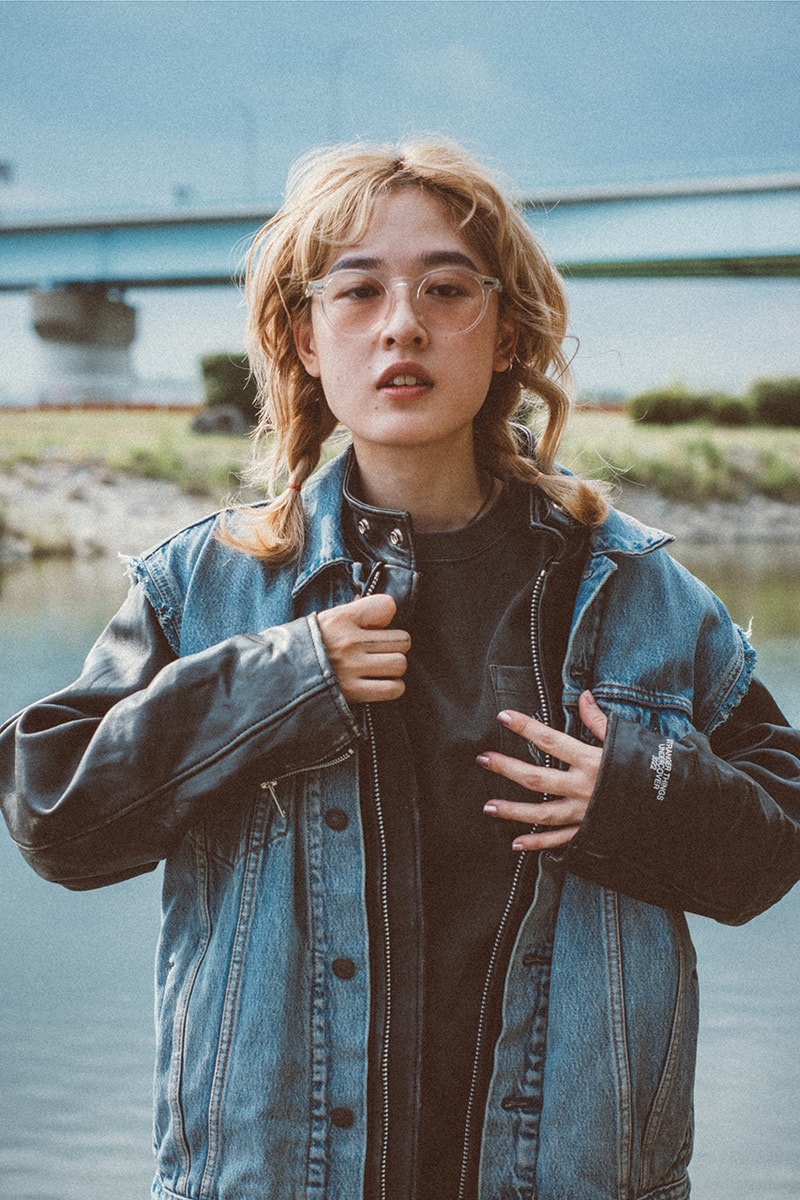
(108, 105)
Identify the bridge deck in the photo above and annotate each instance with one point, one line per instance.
(747, 228)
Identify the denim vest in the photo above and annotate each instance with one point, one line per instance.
(261, 1074)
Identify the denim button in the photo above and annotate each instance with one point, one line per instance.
(343, 1118)
(343, 968)
(336, 818)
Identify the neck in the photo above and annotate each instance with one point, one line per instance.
(439, 495)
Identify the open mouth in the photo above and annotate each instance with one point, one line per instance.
(403, 376)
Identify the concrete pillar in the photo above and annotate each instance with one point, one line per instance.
(86, 335)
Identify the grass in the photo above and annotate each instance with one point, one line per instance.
(150, 444)
(694, 463)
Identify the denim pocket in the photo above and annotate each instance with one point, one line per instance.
(231, 831)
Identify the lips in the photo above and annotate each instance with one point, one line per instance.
(404, 374)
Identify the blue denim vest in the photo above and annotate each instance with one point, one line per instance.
(261, 1075)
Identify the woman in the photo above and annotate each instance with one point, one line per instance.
(437, 749)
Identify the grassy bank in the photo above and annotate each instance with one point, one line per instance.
(148, 444)
(693, 463)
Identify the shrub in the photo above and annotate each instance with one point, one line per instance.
(776, 401)
(731, 410)
(668, 406)
(779, 479)
(227, 381)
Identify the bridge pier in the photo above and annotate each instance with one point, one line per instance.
(86, 334)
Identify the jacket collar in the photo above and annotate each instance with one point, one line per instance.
(391, 531)
(621, 534)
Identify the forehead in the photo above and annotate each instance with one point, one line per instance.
(409, 229)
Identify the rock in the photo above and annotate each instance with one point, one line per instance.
(220, 418)
(60, 509)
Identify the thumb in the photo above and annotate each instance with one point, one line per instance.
(592, 716)
(374, 612)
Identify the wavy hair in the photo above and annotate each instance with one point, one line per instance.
(330, 198)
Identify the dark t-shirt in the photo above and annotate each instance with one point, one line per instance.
(470, 644)
(470, 657)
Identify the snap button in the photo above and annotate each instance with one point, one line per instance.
(396, 537)
(363, 526)
(343, 968)
(343, 1118)
(337, 818)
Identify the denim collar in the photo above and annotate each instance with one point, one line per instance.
(390, 531)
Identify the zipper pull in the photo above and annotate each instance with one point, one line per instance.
(269, 786)
(371, 585)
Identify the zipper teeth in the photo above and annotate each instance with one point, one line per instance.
(536, 661)
(473, 1087)
(384, 900)
(316, 766)
(488, 982)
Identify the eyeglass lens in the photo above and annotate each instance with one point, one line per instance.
(448, 300)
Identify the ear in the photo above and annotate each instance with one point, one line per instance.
(506, 345)
(303, 333)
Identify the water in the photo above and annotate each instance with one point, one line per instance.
(75, 968)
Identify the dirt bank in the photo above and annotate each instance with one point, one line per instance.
(86, 511)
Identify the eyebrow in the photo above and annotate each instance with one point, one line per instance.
(435, 258)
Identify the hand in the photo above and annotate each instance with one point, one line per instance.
(367, 658)
(555, 822)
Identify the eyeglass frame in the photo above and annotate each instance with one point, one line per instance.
(489, 284)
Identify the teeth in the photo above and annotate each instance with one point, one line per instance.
(404, 381)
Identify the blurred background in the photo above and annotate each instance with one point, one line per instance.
(151, 107)
(155, 113)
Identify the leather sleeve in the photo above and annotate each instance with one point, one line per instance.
(101, 780)
(711, 826)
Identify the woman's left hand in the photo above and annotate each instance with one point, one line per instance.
(554, 822)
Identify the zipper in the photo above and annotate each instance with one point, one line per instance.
(544, 708)
(270, 785)
(384, 912)
(369, 590)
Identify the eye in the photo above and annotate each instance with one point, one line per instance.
(449, 285)
(353, 287)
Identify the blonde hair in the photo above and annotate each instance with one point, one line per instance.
(330, 197)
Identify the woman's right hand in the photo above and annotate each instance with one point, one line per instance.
(368, 659)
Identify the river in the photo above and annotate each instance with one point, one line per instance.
(75, 968)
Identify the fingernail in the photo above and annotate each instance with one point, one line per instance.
(490, 810)
(517, 846)
(504, 718)
(482, 760)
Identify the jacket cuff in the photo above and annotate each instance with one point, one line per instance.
(634, 837)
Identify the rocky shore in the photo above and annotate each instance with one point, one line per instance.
(85, 511)
(56, 509)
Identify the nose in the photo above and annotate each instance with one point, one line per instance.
(402, 323)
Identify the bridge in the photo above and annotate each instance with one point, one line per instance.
(77, 268)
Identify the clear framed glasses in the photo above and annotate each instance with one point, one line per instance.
(445, 300)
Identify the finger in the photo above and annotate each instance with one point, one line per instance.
(552, 741)
(545, 839)
(552, 814)
(373, 691)
(592, 715)
(535, 779)
(373, 612)
(379, 666)
(392, 640)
